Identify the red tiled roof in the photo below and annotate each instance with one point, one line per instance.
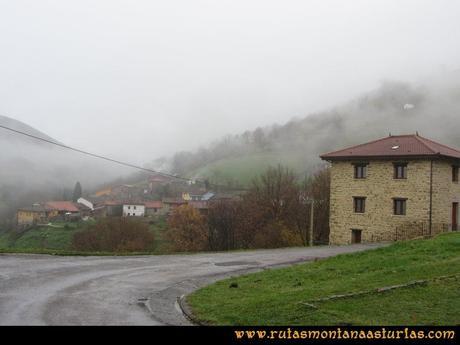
(395, 146)
(66, 206)
(153, 204)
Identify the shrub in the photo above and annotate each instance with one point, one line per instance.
(187, 230)
(114, 235)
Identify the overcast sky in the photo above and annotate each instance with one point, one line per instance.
(139, 79)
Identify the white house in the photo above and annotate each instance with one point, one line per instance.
(133, 210)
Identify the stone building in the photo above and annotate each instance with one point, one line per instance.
(33, 215)
(398, 187)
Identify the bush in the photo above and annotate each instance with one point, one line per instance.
(114, 235)
(275, 235)
(187, 230)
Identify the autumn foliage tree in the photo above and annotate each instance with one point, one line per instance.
(275, 212)
(114, 235)
(187, 230)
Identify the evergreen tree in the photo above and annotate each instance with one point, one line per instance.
(77, 191)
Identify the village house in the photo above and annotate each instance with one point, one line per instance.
(171, 204)
(157, 180)
(62, 207)
(154, 208)
(109, 208)
(393, 188)
(133, 209)
(66, 210)
(45, 212)
(31, 215)
(119, 192)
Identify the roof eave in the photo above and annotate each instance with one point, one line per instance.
(386, 157)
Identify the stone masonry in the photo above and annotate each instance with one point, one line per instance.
(379, 187)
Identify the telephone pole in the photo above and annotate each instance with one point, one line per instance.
(312, 211)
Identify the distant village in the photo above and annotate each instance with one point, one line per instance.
(157, 196)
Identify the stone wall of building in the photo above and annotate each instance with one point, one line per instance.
(378, 223)
(445, 192)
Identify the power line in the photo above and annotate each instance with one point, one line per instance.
(106, 158)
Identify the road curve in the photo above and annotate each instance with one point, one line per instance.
(132, 290)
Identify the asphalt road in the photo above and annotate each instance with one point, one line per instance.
(139, 290)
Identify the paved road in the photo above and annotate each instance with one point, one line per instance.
(140, 290)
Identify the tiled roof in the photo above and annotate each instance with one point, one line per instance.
(66, 206)
(395, 146)
(33, 209)
(153, 204)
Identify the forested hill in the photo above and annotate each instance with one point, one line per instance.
(431, 108)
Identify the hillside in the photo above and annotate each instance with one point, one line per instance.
(290, 296)
(32, 170)
(432, 108)
(56, 238)
(21, 126)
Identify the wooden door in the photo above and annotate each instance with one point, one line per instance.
(355, 236)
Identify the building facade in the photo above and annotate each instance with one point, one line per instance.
(154, 209)
(133, 210)
(394, 188)
(31, 215)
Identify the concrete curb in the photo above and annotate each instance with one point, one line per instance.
(185, 309)
(177, 294)
(169, 306)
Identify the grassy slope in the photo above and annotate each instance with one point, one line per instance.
(273, 297)
(53, 240)
(160, 245)
(244, 168)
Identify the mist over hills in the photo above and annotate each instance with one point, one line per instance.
(33, 170)
(431, 108)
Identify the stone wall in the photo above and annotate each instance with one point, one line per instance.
(378, 223)
(445, 192)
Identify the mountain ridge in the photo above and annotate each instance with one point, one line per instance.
(431, 108)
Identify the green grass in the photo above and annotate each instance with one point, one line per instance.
(160, 244)
(244, 168)
(57, 240)
(274, 297)
(56, 237)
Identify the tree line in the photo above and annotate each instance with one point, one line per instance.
(274, 212)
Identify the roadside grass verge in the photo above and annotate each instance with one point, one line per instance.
(277, 296)
(57, 240)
